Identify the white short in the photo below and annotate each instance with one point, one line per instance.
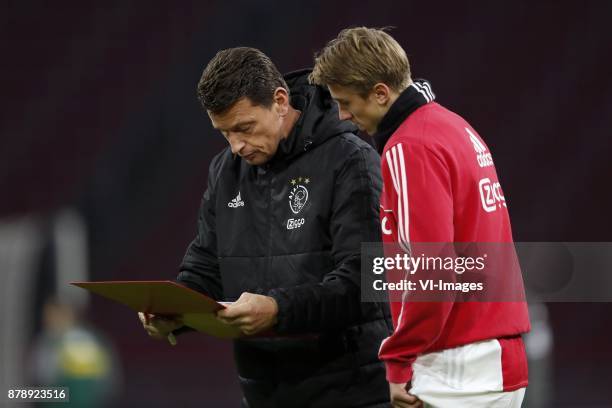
(469, 376)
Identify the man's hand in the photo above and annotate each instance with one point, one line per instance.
(251, 313)
(160, 327)
(400, 398)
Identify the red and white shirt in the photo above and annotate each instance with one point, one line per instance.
(435, 169)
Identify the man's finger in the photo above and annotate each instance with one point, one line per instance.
(234, 311)
(413, 399)
(227, 318)
(405, 398)
(243, 298)
(144, 318)
(155, 334)
(406, 401)
(404, 404)
(151, 329)
(239, 322)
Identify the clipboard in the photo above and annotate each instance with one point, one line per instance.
(167, 298)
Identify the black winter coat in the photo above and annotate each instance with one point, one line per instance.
(292, 229)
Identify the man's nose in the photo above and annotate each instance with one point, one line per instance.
(345, 115)
(236, 144)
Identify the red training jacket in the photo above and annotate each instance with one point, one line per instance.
(440, 185)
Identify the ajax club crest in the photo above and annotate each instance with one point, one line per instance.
(298, 196)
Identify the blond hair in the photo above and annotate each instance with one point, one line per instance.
(361, 57)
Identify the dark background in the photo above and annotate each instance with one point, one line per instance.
(99, 113)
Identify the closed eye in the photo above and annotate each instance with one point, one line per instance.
(342, 103)
(246, 129)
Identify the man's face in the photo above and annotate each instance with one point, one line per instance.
(366, 112)
(253, 132)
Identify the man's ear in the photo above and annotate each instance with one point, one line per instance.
(281, 100)
(381, 94)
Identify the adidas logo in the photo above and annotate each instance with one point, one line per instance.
(482, 155)
(236, 202)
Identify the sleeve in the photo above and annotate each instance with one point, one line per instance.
(334, 303)
(418, 192)
(199, 269)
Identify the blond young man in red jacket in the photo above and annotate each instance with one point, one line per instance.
(440, 186)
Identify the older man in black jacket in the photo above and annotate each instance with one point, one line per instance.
(288, 204)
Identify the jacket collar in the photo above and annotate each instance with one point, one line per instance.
(416, 95)
(318, 120)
